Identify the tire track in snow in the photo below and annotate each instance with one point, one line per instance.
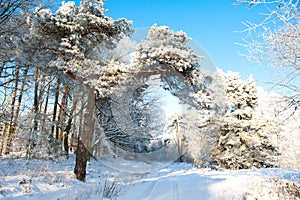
(146, 193)
(175, 189)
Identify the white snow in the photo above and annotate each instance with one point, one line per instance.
(55, 180)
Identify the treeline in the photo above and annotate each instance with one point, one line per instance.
(36, 109)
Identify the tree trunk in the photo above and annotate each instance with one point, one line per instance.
(46, 108)
(180, 142)
(54, 123)
(81, 161)
(69, 126)
(1, 69)
(62, 114)
(62, 118)
(30, 142)
(85, 141)
(21, 92)
(42, 88)
(2, 136)
(36, 103)
(4, 97)
(2, 139)
(11, 125)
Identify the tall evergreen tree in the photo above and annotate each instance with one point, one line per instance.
(247, 138)
(67, 41)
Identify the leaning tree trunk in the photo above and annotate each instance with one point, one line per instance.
(85, 139)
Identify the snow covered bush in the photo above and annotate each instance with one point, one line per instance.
(273, 188)
(247, 139)
(34, 144)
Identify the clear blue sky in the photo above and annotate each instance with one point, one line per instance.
(211, 23)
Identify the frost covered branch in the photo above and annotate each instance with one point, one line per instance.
(275, 41)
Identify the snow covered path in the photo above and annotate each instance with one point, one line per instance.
(182, 181)
(176, 184)
(42, 179)
(174, 187)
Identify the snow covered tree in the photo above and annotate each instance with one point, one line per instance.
(162, 63)
(247, 139)
(13, 74)
(163, 46)
(159, 63)
(203, 135)
(66, 42)
(275, 41)
(9, 8)
(164, 49)
(275, 105)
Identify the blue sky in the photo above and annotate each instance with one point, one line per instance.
(212, 24)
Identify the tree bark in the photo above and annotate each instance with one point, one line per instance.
(81, 161)
(46, 108)
(3, 134)
(4, 97)
(54, 123)
(61, 115)
(86, 138)
(1, 69)
(11, 125)
(36, 103)
(4, 124)
(179, 142)
(21, 92)
(69, 126)
(30, 144)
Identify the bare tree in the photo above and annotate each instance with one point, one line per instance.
(9, 7)
(275, 41)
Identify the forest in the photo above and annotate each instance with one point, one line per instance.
(77, 87)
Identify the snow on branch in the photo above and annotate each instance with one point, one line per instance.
(163, 46)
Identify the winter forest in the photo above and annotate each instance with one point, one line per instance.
(93, 109)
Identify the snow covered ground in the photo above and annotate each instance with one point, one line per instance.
(40, 179)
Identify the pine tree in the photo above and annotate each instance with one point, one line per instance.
(68, 40)
(246, 137)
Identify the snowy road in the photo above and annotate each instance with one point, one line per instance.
(181, 182)
(161, 189)
(187, 184)
(174, 181)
